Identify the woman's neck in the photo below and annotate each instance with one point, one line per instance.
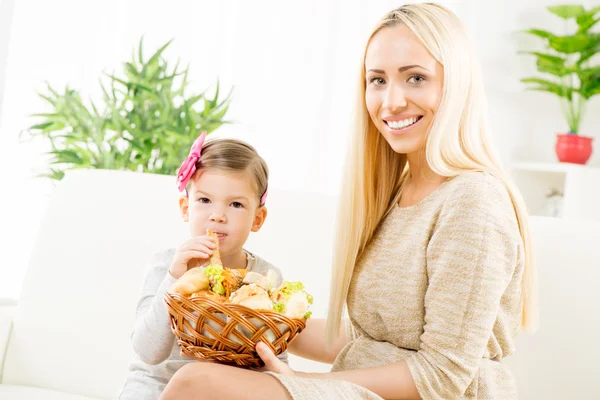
(421, 182)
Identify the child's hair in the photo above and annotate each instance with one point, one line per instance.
(236, 156)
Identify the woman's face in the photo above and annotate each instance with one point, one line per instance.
(403, 88)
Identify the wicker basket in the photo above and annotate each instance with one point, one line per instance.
(228, 333)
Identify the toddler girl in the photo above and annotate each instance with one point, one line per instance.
(224, 189)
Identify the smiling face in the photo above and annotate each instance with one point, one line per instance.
(225, 202)
(403, 88)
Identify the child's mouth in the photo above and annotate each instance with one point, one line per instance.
(221, 235)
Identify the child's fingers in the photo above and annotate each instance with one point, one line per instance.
(205, 240)
(191, 254)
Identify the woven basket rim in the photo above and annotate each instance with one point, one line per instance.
(240, 330)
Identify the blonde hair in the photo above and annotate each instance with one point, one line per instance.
(457, 142)
(234, 156)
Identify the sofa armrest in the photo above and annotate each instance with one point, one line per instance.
(6, 313)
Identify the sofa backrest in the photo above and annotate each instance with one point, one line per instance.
(562, 359)
(76, 311)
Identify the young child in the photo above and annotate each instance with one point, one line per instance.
(224, 185)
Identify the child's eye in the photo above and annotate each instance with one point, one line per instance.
(416, 79)
(237, 204)
(203, 200)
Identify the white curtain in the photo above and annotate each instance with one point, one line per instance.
(292, 66)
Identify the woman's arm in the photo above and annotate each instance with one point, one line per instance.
(311, 342)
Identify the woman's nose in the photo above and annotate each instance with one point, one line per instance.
(394, 98)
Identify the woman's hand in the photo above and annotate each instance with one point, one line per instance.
(200, 247)
(272, 363)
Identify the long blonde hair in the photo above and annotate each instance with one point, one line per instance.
(459, 141)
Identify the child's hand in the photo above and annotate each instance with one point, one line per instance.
(200, 247)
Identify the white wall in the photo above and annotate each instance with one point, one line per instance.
(292, 66)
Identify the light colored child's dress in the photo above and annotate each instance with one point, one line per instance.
(157, 353)
(439, 286)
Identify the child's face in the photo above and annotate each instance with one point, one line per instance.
(227, 203)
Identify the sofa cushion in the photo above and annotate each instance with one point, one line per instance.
(13, 392)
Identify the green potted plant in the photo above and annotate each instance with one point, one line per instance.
(147, 121)
(570, 73)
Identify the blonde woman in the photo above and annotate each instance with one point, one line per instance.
(433, 256)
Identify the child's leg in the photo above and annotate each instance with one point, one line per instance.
(206, 381)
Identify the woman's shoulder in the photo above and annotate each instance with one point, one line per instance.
(479, 197)
(479, 187)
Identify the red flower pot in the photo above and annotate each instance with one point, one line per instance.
(572, 148)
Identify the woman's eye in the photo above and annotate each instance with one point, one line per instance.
(203, 200)
(237, 204)
(377, 81)
(416, 79)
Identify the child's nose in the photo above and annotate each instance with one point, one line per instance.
(218, 217)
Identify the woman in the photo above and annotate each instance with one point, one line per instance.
(433, 256)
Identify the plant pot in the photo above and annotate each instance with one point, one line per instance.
(572, 148)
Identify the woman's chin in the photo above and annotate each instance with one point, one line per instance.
(403, 146)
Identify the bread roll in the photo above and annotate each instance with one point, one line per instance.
(192, 281)
(258, 279)
(258, 302)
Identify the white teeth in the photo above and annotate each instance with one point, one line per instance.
(402, 124)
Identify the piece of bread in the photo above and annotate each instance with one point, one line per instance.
(192, 281)
(215, 258)
(258, 279)
(297, 305)
(247, 291)
(258, 302)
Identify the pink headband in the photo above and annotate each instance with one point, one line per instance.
(188, 167)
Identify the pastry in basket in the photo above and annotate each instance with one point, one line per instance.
(291, 300)
(252, 296)
(194, 280)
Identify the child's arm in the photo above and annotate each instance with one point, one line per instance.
(311, 344)
(152, 337)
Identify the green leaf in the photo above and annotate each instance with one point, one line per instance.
(590, 89)
(567, 11)
(141, 51)
(66, 157)
(156, 55)
(540, 33)
(591, 50)
(587, 20)
(551, 87)
(570, 44)
(587, 24)
(41, 126)
(551, 64)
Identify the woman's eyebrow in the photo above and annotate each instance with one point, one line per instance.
(401, 69)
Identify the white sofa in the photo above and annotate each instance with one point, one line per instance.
(68, 337)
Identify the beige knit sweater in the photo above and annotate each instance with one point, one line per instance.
(439, 286)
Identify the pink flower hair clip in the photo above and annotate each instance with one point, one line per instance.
(188, 167)
(263, 198)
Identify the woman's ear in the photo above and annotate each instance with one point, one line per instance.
(184, 206)
(259, 218)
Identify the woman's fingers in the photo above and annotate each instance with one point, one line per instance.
(270, 360)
